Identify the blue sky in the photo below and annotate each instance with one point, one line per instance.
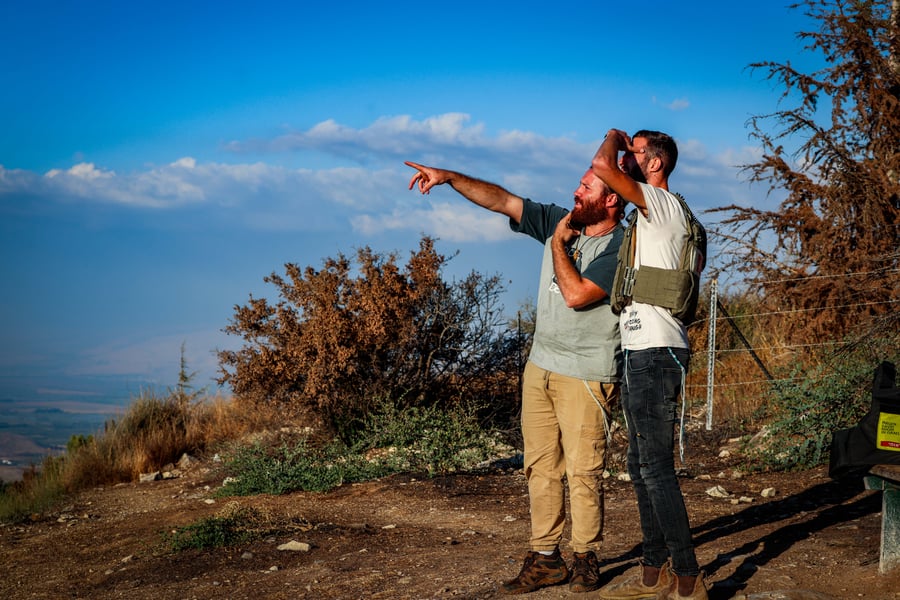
(157, 160)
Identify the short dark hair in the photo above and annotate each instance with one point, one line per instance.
(660, 145)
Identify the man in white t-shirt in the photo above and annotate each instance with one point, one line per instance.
(656, 358)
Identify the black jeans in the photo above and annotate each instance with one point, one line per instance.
(653, 379)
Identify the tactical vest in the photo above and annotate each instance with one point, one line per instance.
(675, 289)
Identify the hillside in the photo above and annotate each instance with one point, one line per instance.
(448, 537)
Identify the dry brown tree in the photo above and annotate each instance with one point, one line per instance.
(341, 339)
(828, 255)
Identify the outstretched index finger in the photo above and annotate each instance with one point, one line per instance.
(419, 176)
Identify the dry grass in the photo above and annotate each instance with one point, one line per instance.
(157, 431)
(154, 432)
(741, 386)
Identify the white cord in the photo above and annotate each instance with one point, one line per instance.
(683, 407)
(603, 411)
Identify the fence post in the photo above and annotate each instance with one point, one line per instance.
(711, 351)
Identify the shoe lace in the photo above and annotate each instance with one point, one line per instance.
(584, 565)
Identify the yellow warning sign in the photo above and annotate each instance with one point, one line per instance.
(888, 432)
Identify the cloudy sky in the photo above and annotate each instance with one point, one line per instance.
(157, 160)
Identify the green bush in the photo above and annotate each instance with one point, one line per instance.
(230, 529)
(291, 466)
(427, 439)
(812, 404)
(413, 439)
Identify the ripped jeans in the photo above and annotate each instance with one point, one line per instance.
(653, 379)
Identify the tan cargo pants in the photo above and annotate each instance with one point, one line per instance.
(564, 434)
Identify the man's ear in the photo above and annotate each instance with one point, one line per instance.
(655, 164)
(612, 199)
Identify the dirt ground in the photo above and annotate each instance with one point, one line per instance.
(449, 537)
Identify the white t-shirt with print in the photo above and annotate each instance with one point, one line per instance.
(661, 235)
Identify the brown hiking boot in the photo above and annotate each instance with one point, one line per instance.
(697, 593)
(585, 573)
(538, 571)
(633, 588)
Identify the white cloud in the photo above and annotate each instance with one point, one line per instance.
(448, 221)
(448, 136)
(85, 171)
(371, 194)
(678, 104)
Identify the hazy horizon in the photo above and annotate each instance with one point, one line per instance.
(40, 413)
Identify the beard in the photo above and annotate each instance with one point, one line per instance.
(588, 214)
(633, 170)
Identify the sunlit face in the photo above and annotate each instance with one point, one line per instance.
(590, 200)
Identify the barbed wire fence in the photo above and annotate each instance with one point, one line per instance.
(713, 321)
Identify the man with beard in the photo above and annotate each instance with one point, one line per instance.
(572, 376)
(656, 359)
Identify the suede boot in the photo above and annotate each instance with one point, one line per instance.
(697, 593)
(632, 586)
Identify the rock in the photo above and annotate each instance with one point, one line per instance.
(295, 546)
(717, 491)
(186, 461)
(724, 454)
(148, 477)
(624, 477)
(768, 493)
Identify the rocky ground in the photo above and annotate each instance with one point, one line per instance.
(784, 535)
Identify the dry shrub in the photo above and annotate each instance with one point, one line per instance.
(221, 419)
(156, 431)
(828, 251)
(339, 338)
